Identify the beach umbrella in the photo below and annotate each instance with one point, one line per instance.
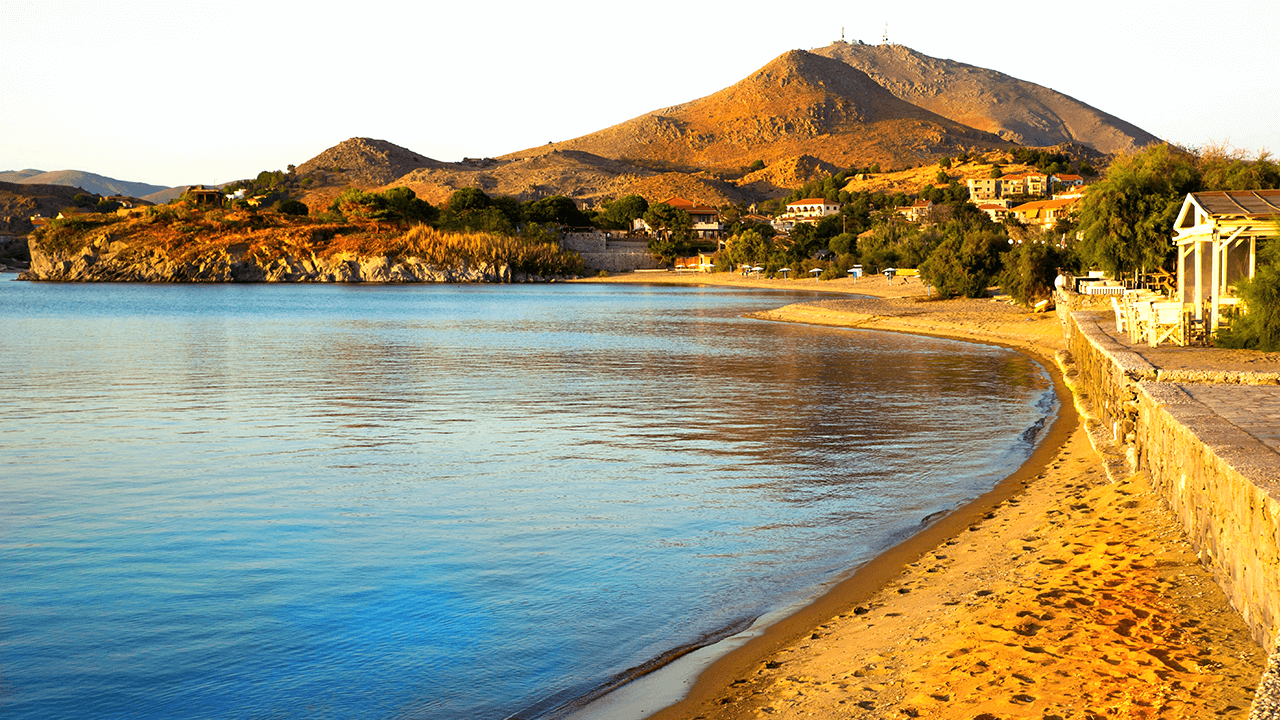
(816, 272)
(784, 272)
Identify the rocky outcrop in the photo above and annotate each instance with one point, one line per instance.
(107, 260)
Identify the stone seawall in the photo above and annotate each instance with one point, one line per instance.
(1222, 483)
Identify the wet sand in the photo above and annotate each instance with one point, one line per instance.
(1062, 594)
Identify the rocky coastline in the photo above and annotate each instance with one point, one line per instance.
(107, 260)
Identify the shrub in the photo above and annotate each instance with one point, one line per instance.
(293, 207)
(1259, 328)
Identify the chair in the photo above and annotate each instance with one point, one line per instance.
(1120, 313)
(1140, 321)
(1167, 322)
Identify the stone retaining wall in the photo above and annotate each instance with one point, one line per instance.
(602, 251)
(1221, 483)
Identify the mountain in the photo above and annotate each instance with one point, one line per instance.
(1016, 110)
(800, 103)
(89, 182)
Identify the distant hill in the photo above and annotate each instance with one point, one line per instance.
(364, 162)
(19, 201)
(800, 103)
(1016, 110)
(87, 181)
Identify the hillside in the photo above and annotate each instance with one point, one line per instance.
(86, 181)
(1016, 110)
(911, 180)
(800, 103)
(19, 201)
(364, 162)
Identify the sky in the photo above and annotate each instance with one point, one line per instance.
(175, 92)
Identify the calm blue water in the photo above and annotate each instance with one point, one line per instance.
(443, 501)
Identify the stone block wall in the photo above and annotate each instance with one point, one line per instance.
(1221, 483)
(1216, 479)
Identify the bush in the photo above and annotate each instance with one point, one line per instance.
(1259, 328)
(293, 207)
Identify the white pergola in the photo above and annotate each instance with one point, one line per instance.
(1217, 235)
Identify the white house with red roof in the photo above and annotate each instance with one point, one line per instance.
(816, 208)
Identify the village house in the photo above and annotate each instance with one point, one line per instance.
(920, 211)
(201, 196)
(1043, 213)
(706, 219)
(1024, 184)
(702, 262)
(1217, 236)
(997, 210)
(811, 209)
(1068, 180)
(984, 189)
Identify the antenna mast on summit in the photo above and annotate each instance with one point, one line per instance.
(885, 39)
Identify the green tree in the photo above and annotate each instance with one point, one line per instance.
(1030, 268)
(554, 209)
(965, 262)
(1126, 219)
(1259, 328)
(621, 213)
(843, 244)
(748, 248)
(465, 199)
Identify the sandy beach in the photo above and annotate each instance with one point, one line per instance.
(1064, 593)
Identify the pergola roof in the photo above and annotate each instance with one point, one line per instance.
(1237, 203)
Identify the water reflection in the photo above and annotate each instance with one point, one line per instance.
(455, 501)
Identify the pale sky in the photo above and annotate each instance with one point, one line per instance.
(177, 92)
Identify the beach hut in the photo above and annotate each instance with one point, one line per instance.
(1217, 236)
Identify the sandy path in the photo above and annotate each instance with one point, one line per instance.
(1077, 597)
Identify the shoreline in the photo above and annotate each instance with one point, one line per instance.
(878, 572)
(859, 633)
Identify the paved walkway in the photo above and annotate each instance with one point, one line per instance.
(1254, 408)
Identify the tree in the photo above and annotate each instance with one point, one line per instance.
(554, 209)
(1258, 329)
(965, 262)
(1125, 219)
(843, 244)
(748, 248)
(465, 199)
(405, 205)
(944, 162)
(1031, 266)
(621, 213)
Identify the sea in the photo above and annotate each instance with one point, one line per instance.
(447, 501)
